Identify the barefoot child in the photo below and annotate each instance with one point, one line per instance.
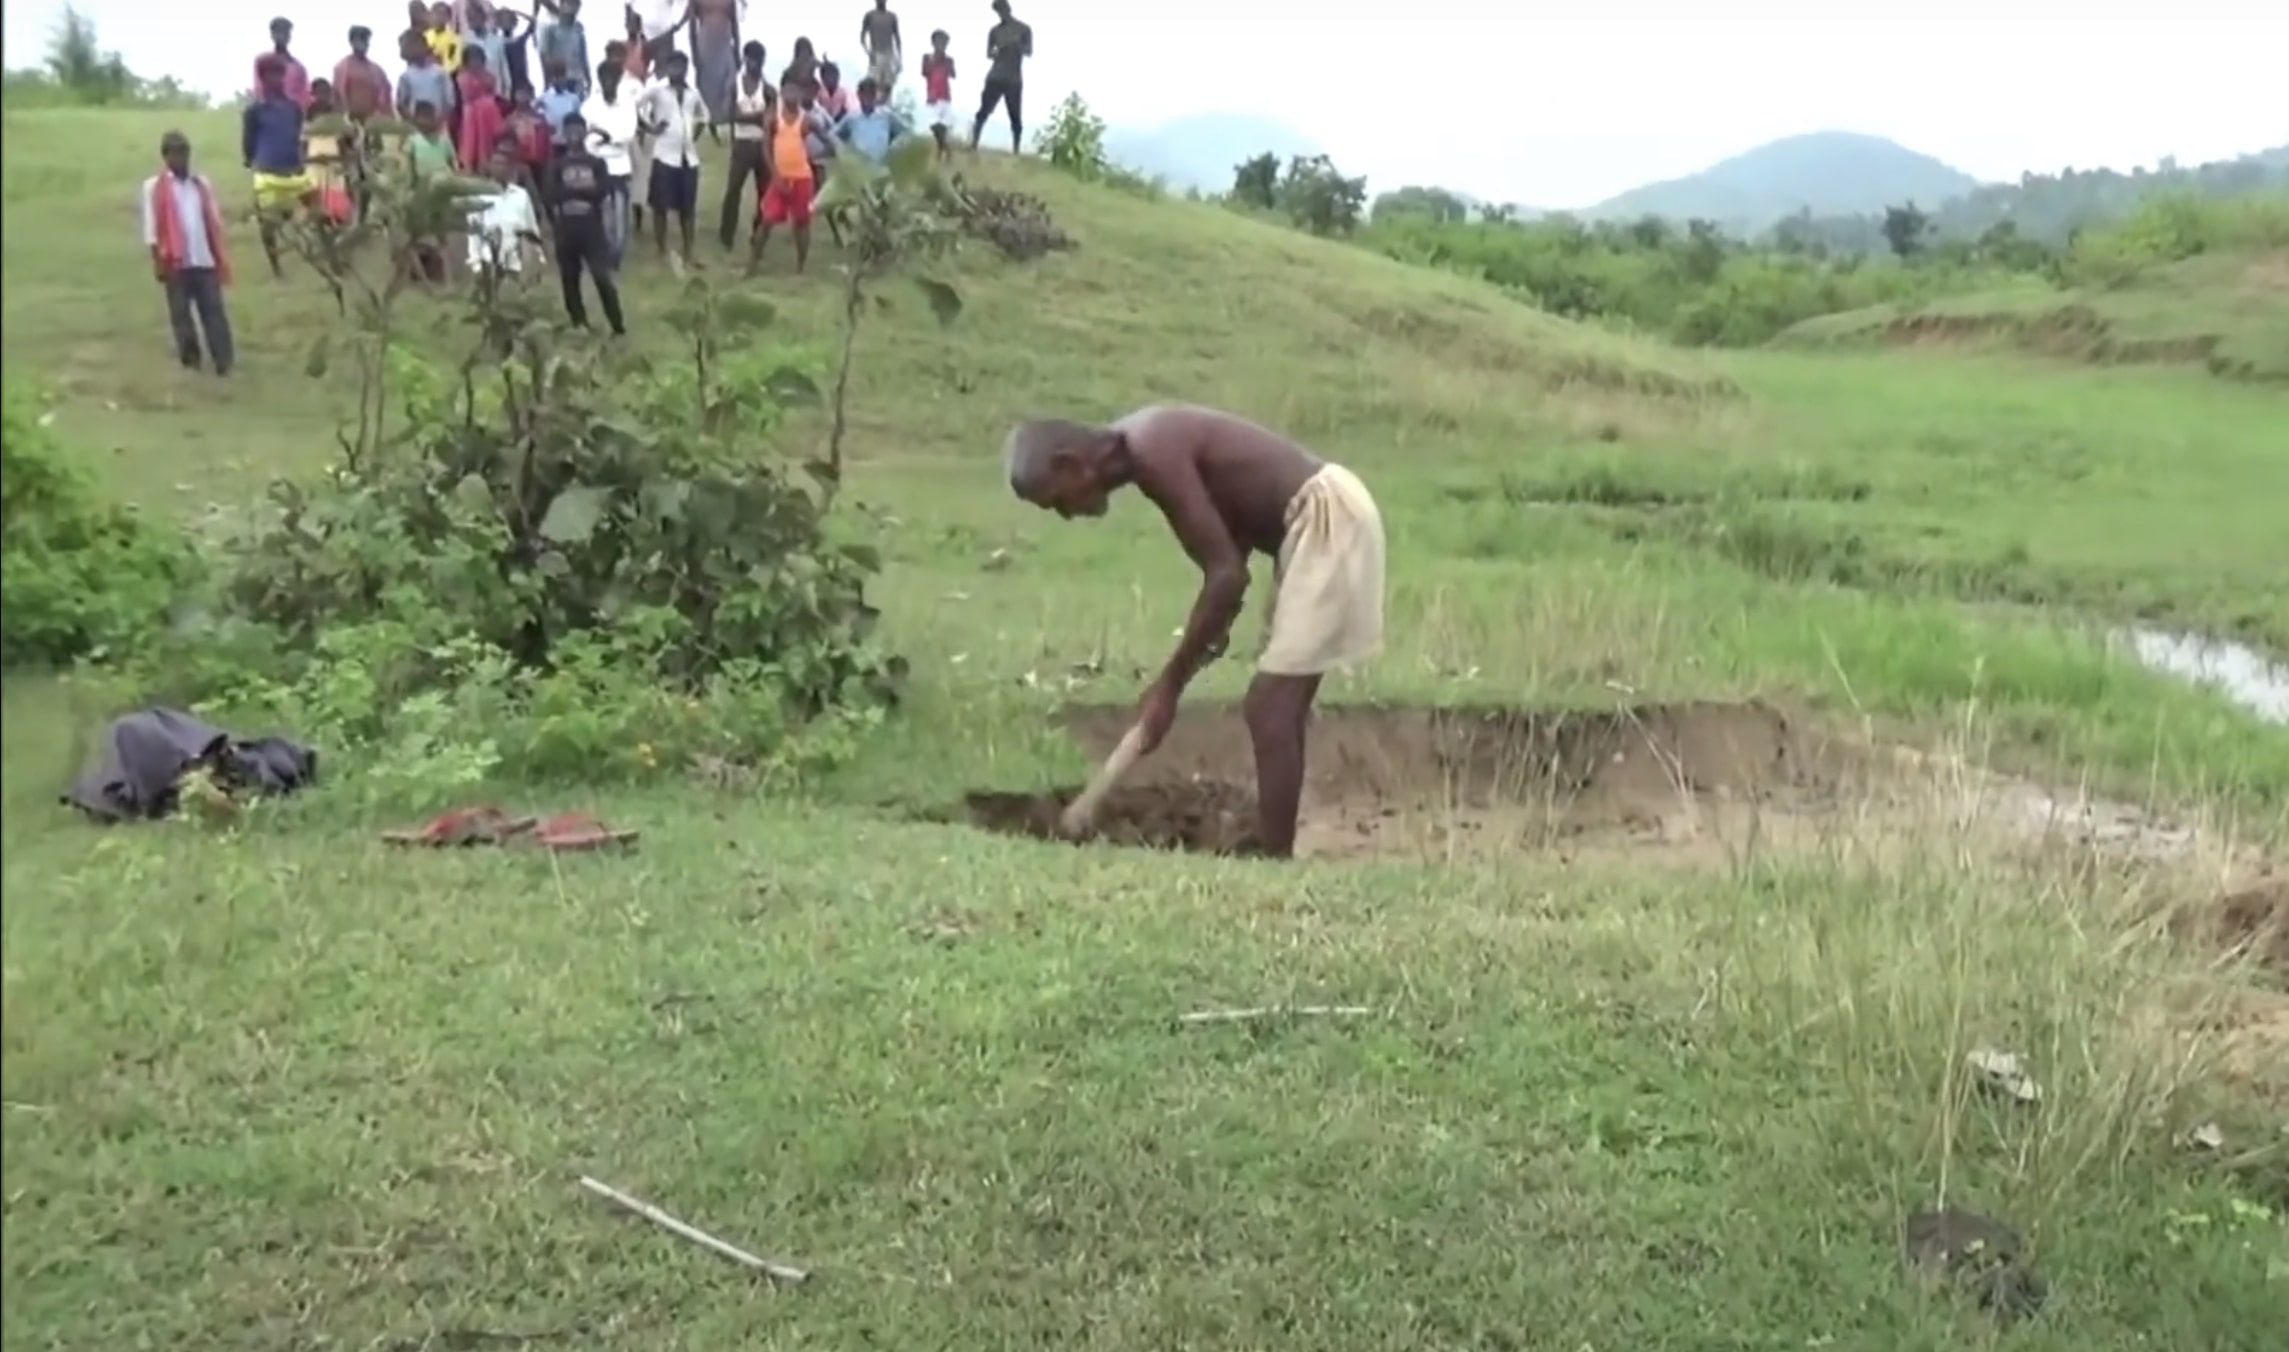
(938, 91)
(791, 184)
(1230, 488)
(270, 141)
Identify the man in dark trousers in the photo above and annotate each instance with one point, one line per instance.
(1008, 43)
(578, 188)
(183, 229)
(753, 101)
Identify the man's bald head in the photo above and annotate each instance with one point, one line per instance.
(1061, 465)
(1033, 448)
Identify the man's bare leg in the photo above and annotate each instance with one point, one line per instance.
(1276, 709)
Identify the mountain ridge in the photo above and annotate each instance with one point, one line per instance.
(1829, 173)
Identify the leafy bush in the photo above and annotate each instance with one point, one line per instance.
(1073, 141)
(2172, 227)
(80, 576)
(554, 557)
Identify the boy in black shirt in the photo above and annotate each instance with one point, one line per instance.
(577, 187)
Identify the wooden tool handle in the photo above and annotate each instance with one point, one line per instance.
(1083, 810)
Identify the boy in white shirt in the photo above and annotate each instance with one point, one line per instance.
(610, 113)
(503, 224)
(673, 115)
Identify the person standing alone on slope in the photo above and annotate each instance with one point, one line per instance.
(1008, 43)
(183, 229)
(885, 49)
(1230, 488)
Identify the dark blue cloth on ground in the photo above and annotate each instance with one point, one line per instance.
(146, 754)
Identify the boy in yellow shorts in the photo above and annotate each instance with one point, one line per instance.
(270, 140)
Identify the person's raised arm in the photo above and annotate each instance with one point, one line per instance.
(1175, 486)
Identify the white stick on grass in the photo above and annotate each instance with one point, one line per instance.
(768, 1267)
(1275, 1012)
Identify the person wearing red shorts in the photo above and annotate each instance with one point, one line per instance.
(792, 186)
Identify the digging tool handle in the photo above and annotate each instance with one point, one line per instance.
(1082, 812)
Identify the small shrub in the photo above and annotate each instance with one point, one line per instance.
(555, 557)
(1018, 224)
(1073, 141)
(81, 577)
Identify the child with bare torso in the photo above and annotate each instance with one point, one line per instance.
(1230, 488)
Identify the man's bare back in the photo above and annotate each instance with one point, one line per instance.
(1249, 473)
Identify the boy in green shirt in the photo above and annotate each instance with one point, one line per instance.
(430, 153)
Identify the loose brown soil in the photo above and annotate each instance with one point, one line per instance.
(1210, 818)
(2256, 921)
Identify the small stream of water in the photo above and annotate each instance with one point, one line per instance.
(2236, 670)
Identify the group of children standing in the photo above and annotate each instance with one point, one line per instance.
(589, 147)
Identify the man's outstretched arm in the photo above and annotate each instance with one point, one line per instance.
(1183, 498)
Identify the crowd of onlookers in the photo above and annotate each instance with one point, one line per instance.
(578, 151)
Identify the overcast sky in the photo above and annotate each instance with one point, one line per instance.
(1560, 107)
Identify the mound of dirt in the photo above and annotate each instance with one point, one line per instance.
(2256, 921)
(2076, 332)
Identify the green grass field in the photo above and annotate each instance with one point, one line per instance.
(2227, 313)
(1628, 1088)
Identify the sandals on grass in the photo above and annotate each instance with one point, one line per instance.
(489, 825)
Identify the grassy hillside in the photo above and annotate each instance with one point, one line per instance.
(1826, 173)
(2226, 313)
(1646, 1065)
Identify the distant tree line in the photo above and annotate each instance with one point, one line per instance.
(78, 73)
(2045, 208)
(1692, 282)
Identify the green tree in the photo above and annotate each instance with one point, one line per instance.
(77, 70)
(1317, 196)
(1905, 229)
(1433, 204)
(1256, 182)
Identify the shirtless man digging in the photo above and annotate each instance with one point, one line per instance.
(1229, 489)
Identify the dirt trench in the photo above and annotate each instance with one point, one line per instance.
(1677, 785)
(1398, 780)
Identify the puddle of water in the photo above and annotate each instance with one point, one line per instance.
(2238, 671)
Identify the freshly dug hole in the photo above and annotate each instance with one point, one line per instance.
(1209, 818)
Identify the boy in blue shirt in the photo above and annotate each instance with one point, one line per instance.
(871, 128)
(270, 142)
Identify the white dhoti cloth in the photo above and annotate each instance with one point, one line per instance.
(1327, 592)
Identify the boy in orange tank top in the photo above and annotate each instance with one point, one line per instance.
(791, 186)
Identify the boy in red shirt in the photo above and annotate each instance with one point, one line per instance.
(938, 91)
